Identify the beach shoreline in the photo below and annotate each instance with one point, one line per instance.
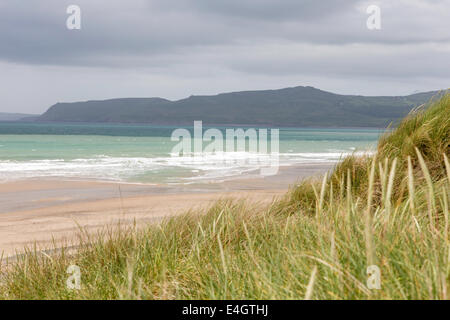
(52, 212)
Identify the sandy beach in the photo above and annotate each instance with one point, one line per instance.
(49, 212)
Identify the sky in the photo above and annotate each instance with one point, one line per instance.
(177, 48)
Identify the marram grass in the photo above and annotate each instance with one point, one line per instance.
(389, 210)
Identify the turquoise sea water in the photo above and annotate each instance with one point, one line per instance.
(143, 153)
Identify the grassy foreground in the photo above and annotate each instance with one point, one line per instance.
(388, 210)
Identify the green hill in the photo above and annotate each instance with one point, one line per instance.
(14, 116)
(290, 107)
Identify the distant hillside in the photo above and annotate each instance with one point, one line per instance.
(290, 107)
(14, 116)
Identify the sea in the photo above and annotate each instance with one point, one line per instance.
(144, 153)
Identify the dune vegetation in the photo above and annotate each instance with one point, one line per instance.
(388, 210)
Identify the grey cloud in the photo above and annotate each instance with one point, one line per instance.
(266, 10)
(350, 60)
(138, 31)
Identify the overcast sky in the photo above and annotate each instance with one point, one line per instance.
(177, 48)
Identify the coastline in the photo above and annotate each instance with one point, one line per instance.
(56, 210)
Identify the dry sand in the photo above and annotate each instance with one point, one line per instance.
(49, 213)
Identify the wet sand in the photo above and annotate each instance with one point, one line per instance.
(48, 212)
